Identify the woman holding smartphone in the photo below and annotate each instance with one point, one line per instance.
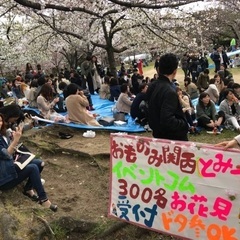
(46, 103)
(11, 175)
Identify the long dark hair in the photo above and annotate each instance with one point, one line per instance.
(201, 96)
(227, 91)
(188, 80)
(28, 67)
(3, 128)
(93, 56)
(47, 92)
(12, 111)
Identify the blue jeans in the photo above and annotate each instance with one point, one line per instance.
(32, 173)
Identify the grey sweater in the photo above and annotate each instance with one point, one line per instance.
(208, 112)
(227, 109)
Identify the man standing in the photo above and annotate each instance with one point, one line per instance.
(135, 82)
(184, 64)
(87, 73)
(233, 45)
(220, 57)
(165, 114)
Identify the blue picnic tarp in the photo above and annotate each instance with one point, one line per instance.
(104, 109)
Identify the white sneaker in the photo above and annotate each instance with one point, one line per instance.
(43, 181)
(214, 133)
(89, 134)
(147, 128)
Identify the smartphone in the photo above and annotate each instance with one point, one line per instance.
(13, 127)
(21, 125)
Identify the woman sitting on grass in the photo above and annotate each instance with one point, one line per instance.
(212, 90)
(187, 109)
(191, 88)
(206, 114)
(13, 175)
(230, 107)
(219, 82)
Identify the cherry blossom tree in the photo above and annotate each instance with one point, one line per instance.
(113, 26)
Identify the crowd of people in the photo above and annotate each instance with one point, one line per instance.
(220, 91)
(50, 94)
(159, 104)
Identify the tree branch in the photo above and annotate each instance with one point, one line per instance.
(164, 39)
(118, 20)
(120, 50)
(60, 32)
(133, 4)
(8, 10)
(38, 6)
(99, 45)
(158, 27)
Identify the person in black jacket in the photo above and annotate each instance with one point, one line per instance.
(138, 106)
(165, 115)
(220, 57)
(135, 82)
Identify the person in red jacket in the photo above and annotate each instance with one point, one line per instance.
(140, 67)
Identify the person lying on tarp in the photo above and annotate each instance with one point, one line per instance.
(13, 175)
(77, 103)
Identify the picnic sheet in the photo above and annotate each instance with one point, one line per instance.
(104, 109)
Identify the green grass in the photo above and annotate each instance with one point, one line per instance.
(204, 137)
(148, 71)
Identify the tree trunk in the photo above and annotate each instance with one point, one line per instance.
(112, 62)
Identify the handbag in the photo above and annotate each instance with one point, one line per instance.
(106, 121)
